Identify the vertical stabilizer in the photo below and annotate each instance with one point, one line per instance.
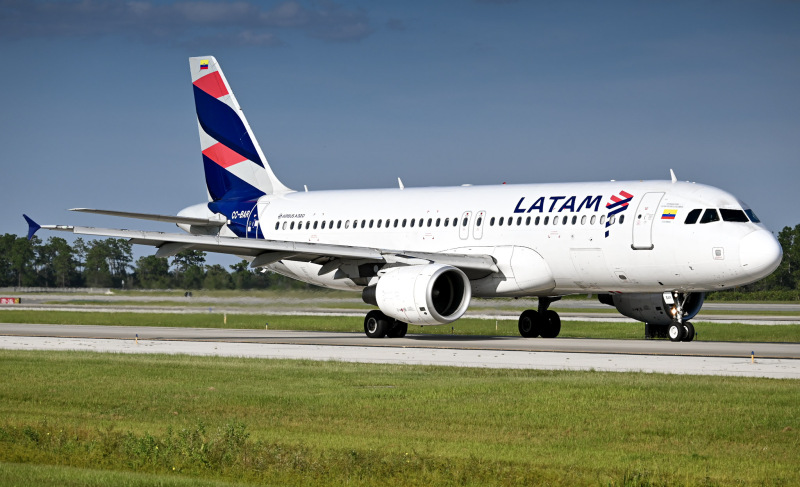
(235, 166)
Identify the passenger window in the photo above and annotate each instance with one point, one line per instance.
(491, 221)
(519, 220)
(752, 215)
(438, 221)
(510, 221)
(466, 220)
(291, 227)
(277, 225)
(411, 224)
(430, 222)
(592, 219)
(528, 221)
(564, 220)
(404, 223)
(364, 223)
(347, 224)
(355, 223)
(555, 220)
(583, 220)
(621, 219)
(602, 219)
(537, 221)
(574, 219)
(736, 216)
(446, 221)
(395, 223)
(546, 220)
(379, 223)
(502, 219)
(710, 216)
(370, 224)
(692, 217)
(480, 220)
(315, 225)
(612, 220)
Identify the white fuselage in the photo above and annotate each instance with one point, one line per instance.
(547, 239)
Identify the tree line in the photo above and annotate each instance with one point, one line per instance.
(109, 263)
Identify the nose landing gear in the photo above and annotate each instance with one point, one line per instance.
(679, 330)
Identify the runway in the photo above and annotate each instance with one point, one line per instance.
(775, 360)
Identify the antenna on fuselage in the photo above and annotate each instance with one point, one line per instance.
(672, 174)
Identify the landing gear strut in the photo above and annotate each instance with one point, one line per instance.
(544, 322)
(378, 325)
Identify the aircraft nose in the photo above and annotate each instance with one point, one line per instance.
(760, 253)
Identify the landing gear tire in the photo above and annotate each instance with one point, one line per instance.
(676, 332)
(376, 324)
(529, 324)
(398, 330)
(551, 324)
(689, 333)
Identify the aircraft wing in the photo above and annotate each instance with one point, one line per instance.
(270, 251)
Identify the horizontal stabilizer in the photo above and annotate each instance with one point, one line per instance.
(201, 222)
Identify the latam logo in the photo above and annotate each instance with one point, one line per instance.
(618, 204)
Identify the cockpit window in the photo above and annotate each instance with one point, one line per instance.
(733, 215)
(752, 215)
(709, 216)
(692, 217)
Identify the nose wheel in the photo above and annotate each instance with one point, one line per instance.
(681, 332)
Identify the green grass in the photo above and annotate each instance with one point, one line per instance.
(331, 423)
(25, 475)
(466, 326)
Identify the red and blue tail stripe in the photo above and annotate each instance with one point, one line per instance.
(235, 167)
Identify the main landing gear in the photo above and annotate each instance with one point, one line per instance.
(544, 323)
(378, 325)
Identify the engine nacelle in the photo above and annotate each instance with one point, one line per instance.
(653, 308)
(432, 294)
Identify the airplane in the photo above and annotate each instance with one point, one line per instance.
(652, 249)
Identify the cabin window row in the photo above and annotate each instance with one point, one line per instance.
(438, 222)
(556, 220)
(388, 223)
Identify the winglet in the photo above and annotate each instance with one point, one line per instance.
(33, 227)
(672, 175)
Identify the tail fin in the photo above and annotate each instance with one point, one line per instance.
(235, 167)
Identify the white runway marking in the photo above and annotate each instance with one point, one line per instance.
(510, 359)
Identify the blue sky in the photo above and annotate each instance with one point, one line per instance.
(98, 110)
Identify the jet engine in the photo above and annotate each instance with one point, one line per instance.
(431, 294)
(654, 309)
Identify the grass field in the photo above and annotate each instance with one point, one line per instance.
(465, 326)
(97, 419)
